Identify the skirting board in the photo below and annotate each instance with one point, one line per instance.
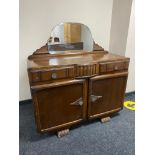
(30, 100)
(129, 93)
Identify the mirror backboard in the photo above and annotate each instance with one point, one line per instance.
(70, 37)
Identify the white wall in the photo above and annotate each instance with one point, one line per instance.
(130, 51)
(119, 26)
(37, 17)
(122, 35)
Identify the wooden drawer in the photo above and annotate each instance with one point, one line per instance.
(113, 66)
(52, 74)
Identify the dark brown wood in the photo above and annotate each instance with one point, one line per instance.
(110, 89)
(54, 104)
(51, 74)
(70, 88)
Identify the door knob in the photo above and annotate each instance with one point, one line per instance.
(54, 75)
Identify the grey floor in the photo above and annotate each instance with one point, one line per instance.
(116, 137)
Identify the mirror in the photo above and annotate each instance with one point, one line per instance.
(70, 37)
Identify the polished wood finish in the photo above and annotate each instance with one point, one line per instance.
(111, 90)
(51, 74)
(71, 88)
(54, 104)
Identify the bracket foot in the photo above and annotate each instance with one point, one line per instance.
(62, 133)
(105, 119)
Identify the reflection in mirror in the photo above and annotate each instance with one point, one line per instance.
(70, 37)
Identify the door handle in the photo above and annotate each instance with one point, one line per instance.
(94, 98)
(78, 102)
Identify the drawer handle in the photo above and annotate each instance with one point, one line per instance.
(78, 102)
(94, 98)
(54, 75)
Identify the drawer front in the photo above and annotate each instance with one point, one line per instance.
(113, 66)
(52, 74)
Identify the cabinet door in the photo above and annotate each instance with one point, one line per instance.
(59, 105)
(106, 94)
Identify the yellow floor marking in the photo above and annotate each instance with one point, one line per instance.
(129, 105)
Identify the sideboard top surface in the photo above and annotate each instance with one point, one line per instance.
(79, 59)
(41, 59)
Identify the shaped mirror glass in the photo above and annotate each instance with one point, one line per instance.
(70, 37)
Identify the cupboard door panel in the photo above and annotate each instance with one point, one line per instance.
(60, 104)
(106, 94)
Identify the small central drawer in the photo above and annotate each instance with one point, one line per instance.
(86, 70)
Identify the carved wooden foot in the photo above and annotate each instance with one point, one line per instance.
(106, 119)
(62, 133)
